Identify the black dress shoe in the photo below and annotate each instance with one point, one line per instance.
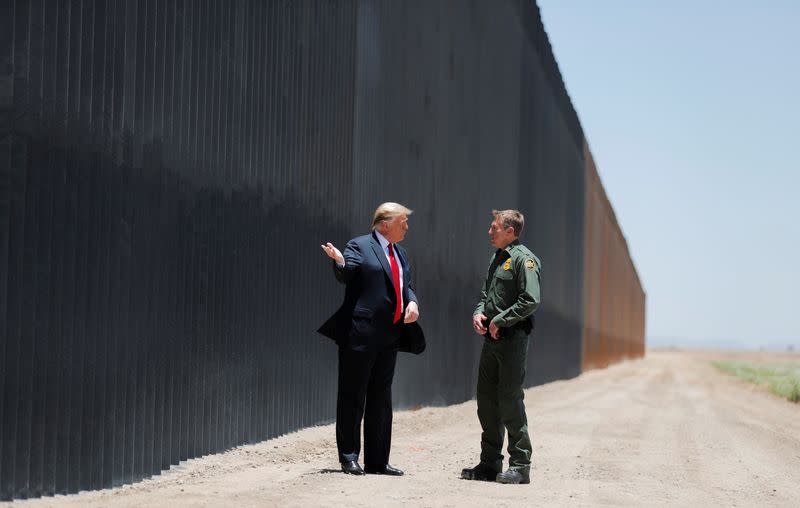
(385, 469)
(352, 467)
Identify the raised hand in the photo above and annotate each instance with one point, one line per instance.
(333, 253)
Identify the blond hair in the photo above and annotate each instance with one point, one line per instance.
(510, 219)
(388, 211)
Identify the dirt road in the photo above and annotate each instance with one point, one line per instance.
(667, 430)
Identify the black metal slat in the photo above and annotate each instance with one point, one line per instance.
(127, 277)
(193, 317)
(261, 62)
(221, 269)
(14, 150)
(169, 357)
(26, 443)
(8, 33)
(177, 358)
(42, 268)
(53, 403)
(230, 120)
(118, 242)
(204, 306)
(104, 177)
(65, 412)
(161, 221)
(151, 222)
(140, 238)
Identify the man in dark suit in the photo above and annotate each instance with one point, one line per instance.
(377, 319)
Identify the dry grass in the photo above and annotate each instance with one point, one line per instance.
(782, 379)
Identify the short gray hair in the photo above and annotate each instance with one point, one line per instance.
(387, 211)
(510, 219)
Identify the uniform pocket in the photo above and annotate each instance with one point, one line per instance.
(504, 283)
(504, 274)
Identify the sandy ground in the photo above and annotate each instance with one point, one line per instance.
(666, 430)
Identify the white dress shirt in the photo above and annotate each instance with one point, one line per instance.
(385, 246)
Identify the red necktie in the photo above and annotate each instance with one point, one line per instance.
(398, 310)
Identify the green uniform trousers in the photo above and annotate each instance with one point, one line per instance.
(500, 401)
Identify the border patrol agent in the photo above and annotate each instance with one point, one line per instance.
(504, 316)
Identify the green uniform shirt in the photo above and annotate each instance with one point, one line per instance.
(511, 291)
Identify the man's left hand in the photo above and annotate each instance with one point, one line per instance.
(412, 313)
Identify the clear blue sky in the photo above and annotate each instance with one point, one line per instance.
(691, 110)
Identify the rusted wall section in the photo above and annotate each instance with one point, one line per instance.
(614, 300)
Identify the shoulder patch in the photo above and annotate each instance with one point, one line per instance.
(530, 264)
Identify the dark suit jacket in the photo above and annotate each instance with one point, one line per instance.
(364, 321)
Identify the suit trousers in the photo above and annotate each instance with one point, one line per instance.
(365, 390)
